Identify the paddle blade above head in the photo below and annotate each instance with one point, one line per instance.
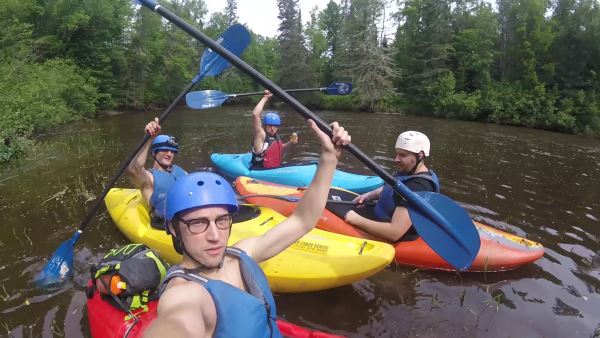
(235, 39)
(434, 218)
(60, 266)
(339, 88)
(205, 99)
(443, 238)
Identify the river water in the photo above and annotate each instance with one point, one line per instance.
(541, 185)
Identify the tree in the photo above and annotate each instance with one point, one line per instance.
(423, 46)
(294, 71)
(527, 39)
(330, 22)
(317, 48)
(91, 33)
(369, 63)
(476, 31)
(143, 83)
(231, 12)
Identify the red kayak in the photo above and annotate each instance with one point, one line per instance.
(499, 251)
(107, 321)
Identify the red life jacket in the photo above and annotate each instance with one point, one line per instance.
(271, 157)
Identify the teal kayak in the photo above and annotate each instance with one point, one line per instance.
(234, 165)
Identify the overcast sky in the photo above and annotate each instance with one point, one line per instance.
(261, 15)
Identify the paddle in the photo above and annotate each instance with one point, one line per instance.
(457, 241)
(235, 39)
(213, 98)
(295, 199)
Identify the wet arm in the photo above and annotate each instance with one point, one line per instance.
(309, 208)
(257, 130)
(391, 231)
(136, 171)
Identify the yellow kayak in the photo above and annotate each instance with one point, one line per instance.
(319, 260)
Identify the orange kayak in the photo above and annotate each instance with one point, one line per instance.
(499, 251)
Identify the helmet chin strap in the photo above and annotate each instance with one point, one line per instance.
(418, 159)
(164, 167)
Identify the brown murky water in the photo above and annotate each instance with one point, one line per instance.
(540, 185)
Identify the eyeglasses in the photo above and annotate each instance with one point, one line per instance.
(199, 225)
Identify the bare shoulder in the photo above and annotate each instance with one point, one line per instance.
(187, 306)
(182, 292)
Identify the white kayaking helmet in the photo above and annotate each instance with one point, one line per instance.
(414, 142)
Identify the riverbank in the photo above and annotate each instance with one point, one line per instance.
(19, 130)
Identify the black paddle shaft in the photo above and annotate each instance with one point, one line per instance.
(287, 90)
(92, 210)
(258, 77)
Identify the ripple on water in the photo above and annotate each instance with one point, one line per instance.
(574, 236)
(578, 250)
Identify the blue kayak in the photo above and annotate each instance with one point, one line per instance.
(234, 165)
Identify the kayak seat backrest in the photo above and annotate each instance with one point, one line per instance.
(246, 213)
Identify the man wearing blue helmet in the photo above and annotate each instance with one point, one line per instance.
(155, 183)
(220, 291)
(267, 148)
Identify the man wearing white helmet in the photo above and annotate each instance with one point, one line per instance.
(389, 219)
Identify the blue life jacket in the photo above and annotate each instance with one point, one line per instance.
(163, 180)
(239, 313)
(385, 207)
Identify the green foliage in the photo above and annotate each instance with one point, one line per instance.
(449, 103)
(35, 97)
(534, 63)
(346, 103)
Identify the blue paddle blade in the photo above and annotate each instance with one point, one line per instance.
(339, 88)
(60, 265)
(205, 99)
(235, 39)
(456, 240)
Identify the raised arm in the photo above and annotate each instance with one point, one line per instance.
(311, 205)
(139, 175)
(257, 129)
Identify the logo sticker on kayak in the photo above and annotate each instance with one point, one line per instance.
(320, 249)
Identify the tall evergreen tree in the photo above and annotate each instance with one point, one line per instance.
(294, 71)
(369, 63)
(527, 39)
(231, 12)
(330, 22)
(144, 57)
(317, 48)
(423, 45)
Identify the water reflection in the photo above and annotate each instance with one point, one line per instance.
(539, 185)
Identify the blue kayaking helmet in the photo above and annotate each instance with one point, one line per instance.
(200, 189)
(272, 119)
(165, 142)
